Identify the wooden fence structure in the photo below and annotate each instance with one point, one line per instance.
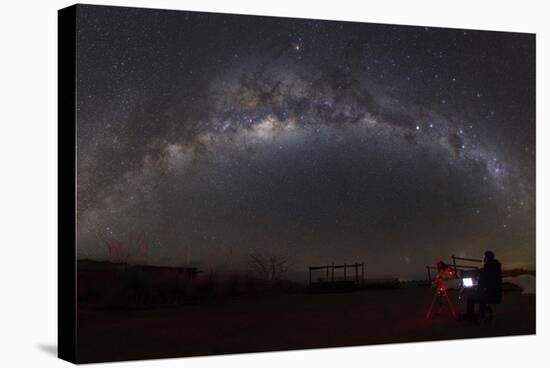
(456, 266)
(357, 276)
(465, 267)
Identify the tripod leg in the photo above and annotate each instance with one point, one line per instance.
(450, 306)
(431, 307)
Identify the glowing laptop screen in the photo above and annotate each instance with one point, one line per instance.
(467, 282)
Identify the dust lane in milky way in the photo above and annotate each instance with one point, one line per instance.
(216, 136)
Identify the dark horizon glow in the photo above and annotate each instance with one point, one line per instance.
(217, 136)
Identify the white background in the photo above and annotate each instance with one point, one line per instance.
(28, 182)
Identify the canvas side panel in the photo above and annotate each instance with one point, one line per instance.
(67, 184)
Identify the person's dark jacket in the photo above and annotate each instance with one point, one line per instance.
(490, 281)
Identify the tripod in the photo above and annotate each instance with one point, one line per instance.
(440, 294)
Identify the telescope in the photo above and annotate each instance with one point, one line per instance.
(445, 272)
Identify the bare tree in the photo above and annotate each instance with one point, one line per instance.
(269, 267)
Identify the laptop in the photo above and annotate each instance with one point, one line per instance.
(467, 282)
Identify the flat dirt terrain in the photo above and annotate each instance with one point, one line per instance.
(284, 322)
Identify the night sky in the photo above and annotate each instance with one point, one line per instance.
(217, 136)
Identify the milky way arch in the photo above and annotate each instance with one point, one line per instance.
(325, 141)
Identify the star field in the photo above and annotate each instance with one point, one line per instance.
(221, 135)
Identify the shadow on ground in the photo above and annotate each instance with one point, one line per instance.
(50, 349)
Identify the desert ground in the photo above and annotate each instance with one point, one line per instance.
(298, 320)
